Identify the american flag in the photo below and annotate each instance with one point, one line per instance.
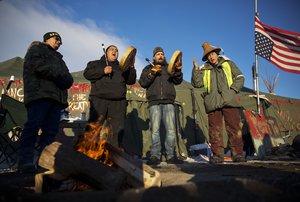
(280, 47)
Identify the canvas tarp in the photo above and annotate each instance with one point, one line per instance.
(137, 134)
(282, 114)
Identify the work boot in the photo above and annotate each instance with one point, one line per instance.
(174, 160)
(153, 161)
(238, 158)
(216, 159)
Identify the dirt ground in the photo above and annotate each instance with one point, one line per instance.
(250, 181)
(191, 181)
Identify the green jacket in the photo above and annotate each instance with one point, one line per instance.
(220, 94)
(45, 75)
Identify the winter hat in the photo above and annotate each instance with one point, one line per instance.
(157, 49)
(208, 49)
(109, 48)
(49, 35)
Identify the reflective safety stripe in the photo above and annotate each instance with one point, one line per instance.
(206, 81)
(227, 71)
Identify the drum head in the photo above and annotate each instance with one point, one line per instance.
(128, 58)
(176, 61)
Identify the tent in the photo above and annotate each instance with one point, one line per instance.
(281, 115)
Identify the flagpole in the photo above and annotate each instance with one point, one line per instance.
(256, 69)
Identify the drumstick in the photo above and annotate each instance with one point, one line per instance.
(149, 62)
(11, 80)
(103, 48)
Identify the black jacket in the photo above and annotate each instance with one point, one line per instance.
(45, 74)
(111, 87)
(160, 87)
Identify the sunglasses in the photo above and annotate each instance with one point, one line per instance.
(58, 39)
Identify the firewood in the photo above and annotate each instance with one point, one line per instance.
(69, 163)
(139, 174)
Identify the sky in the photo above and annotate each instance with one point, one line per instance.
(172, 24)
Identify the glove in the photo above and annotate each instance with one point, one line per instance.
(156, 69)
(177, 74)
(178, 68)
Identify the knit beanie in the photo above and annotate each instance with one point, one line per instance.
(49, 35)
(110, 47)
(157, 49)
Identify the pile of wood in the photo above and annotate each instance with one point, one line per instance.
(64, 163)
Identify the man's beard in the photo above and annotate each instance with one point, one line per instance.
(160, 61)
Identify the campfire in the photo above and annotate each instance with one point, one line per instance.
(93, 142)
(94, 162)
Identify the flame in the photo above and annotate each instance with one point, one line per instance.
(92, 144)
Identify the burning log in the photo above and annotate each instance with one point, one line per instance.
(91, 160)
(139, 174)
(67, 162)
(92, 143)
(95, 144)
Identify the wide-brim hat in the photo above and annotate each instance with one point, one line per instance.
(207, 48)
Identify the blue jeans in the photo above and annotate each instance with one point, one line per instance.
(166, 113)
(42, 114)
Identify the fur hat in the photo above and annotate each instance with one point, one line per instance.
(157, 49)
(49, 35)
(208, 49)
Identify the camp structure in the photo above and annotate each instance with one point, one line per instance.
(278, 123)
